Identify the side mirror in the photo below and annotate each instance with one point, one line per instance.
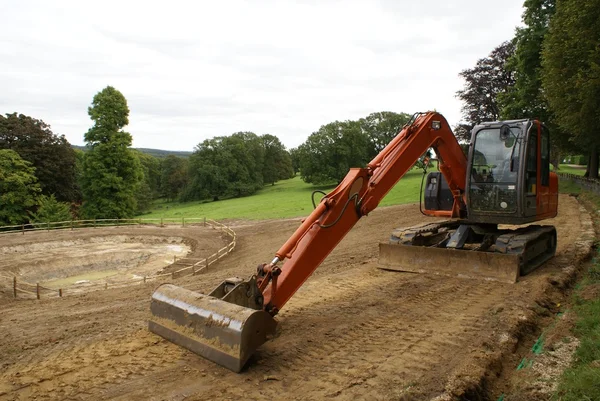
(504, 133)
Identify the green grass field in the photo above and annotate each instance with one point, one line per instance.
(288, 198)
(291, 198)
(572, 169)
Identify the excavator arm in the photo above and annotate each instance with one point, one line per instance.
(227, 325)
(357, 195)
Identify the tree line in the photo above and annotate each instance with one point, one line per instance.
(42, 178)
(550, 70)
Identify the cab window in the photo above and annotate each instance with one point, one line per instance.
(545, 173)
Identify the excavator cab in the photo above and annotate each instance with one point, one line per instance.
(509, 183)
(512, 183)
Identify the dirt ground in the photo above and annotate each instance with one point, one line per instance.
(351, 332)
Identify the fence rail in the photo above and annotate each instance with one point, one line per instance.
(73, 224)
(191, 266)
(591, 184)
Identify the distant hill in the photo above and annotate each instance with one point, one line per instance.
(152, 152)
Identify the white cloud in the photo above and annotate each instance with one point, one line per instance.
(193, 70)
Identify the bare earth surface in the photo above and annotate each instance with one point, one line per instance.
(351, 332)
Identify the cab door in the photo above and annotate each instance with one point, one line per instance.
(532, 172)
(547, 196)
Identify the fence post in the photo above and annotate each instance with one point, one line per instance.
(23, 228)
(106, 286)
(144, 279)
(15, 286)
(172, 275)
(174, 258)
(183, 222)
(206, 260)
(204, 221)
(161, 222)
(60, 292)
(47, 228)
(37, 290)
(94, 222)
(71, 225)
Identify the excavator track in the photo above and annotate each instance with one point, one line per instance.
(535, 245)
(457, 248)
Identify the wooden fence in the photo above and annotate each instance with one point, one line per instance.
(74, 224)
(590, 184)
(189, 266)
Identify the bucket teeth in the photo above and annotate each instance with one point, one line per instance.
(223, 332)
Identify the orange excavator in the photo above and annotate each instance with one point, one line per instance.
(504, 180)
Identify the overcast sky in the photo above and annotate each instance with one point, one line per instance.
(191, 70)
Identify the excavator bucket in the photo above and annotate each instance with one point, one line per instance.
(226, 326)
(450, 262)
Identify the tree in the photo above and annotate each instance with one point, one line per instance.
(571, 73)
(19, 189)
(50, 154)
(329, 153)
(381, 128)
(174, 177)
(277, 162)
(483, 84)
(150, 185)
(295, 156)
(112, 173)
(226, 166)
(50, 210)
(526, 98)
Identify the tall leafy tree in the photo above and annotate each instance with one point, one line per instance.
(50, 154)
(381, 128)
(112, 173)
(526, 98)
(150, 183)
(174, 176)
(483, 84)
(294, 155)
(571, 73)
(329, 153)
(277, 161)
(19, 189)
(228, 166)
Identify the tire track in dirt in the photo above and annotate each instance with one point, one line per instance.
(88, 368)
(353, 339)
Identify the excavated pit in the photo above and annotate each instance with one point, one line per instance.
(118, 258)
(110, 256)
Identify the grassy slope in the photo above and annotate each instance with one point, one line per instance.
(289, 198)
